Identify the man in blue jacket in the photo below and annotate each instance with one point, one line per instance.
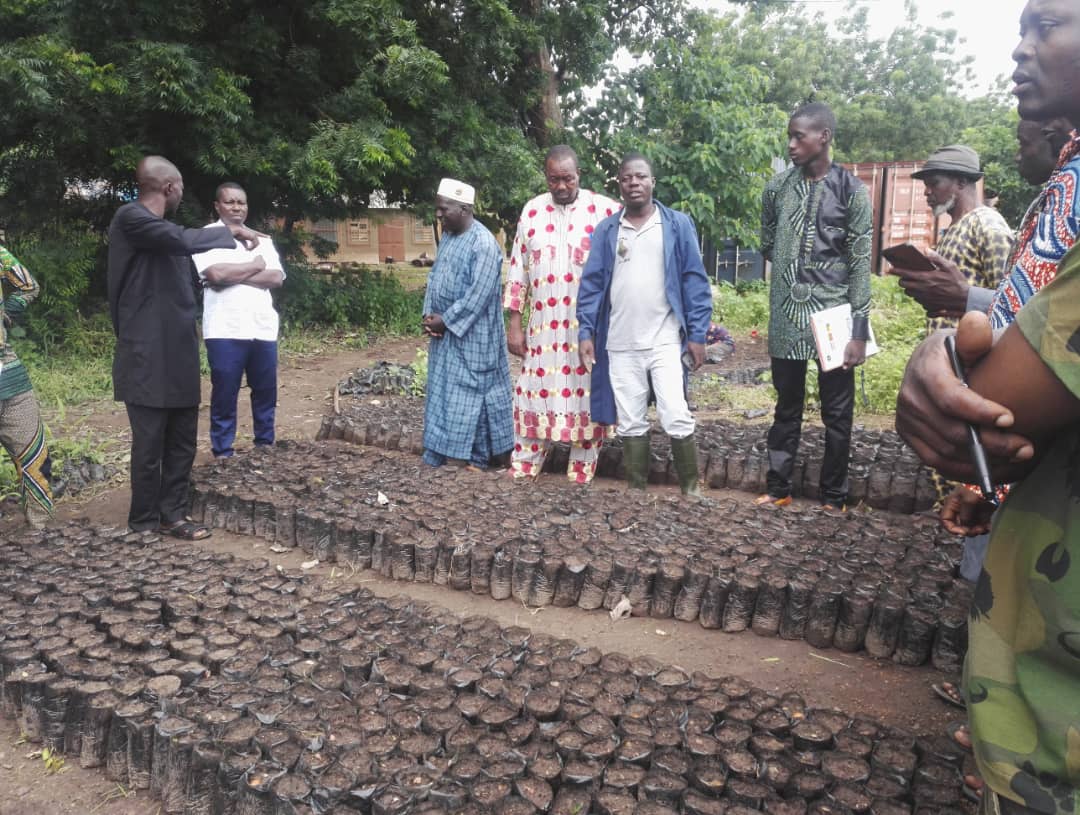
(644, 306)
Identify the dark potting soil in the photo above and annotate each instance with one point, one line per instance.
(878, 581)
(884, 473)
(367, 737)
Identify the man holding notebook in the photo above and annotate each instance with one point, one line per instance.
(815, 230)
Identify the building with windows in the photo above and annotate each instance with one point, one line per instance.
(380, 235)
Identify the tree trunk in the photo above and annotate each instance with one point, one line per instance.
(545, 117)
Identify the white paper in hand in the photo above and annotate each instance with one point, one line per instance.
(832, 332)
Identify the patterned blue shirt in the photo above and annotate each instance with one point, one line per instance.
(469, 409)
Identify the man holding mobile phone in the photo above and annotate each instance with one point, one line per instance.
(971, 254)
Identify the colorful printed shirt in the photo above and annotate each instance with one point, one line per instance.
(1048, 231)
(979, 244)
(817, 234)
(13, 376)
(1022, 675)
(551, 399)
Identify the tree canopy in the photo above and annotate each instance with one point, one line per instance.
(314, 105)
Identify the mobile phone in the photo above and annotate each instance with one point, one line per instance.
(688, 360)
(908, 256)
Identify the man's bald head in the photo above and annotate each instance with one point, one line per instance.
(158, 177)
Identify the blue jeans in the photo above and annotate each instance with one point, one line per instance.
(229, 361)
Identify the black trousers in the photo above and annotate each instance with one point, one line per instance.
(837, 389)
(163, 444)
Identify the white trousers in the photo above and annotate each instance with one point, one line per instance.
(630, 372)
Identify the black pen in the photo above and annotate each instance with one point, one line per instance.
(975, 446)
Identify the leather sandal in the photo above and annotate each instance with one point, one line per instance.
(185, 530)
(768, 499)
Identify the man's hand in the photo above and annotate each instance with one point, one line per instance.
(697, 351)
(222, 275)
(246, 236)
(587, 354)
(854, 354)
(934, 406)
(964, 512)
(515, 336)
(943, 292)
(433, 325)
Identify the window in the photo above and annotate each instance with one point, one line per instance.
(359, 232)
(421, 231)
(326, 230)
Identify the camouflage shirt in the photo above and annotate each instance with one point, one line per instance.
(1022, 676)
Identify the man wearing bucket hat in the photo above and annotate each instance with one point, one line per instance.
(468, 410)
(977, 241)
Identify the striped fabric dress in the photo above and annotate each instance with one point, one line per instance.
(21, 430)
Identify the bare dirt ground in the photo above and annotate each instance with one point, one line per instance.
(857, 684)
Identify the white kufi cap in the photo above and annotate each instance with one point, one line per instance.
(457, 191)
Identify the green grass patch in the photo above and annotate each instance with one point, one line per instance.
(899, 325)
(742, 308)
(412, 278)
(78, 371)
(711, 392)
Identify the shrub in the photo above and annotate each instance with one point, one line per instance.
(61, 260)
(741, 308)
(353, 296)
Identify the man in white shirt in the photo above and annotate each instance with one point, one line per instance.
(240, 326)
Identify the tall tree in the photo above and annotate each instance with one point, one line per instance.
(703, 122)
(896, 98)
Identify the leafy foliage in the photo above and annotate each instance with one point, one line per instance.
(879, 88)
(420, 369)
(316, 106)
(899, 325)
(356, 296)
(701, 120)
(996, 145)
(61, 261)
(743, 308)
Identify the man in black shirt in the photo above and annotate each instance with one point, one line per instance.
(156, 364)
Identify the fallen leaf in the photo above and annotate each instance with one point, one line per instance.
(309, 564)
(661, 632)
(277, 548)
(771, 659)
(833, 661)
(622, 609)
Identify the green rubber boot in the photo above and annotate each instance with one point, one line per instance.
(635, 458)
(684, 452)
